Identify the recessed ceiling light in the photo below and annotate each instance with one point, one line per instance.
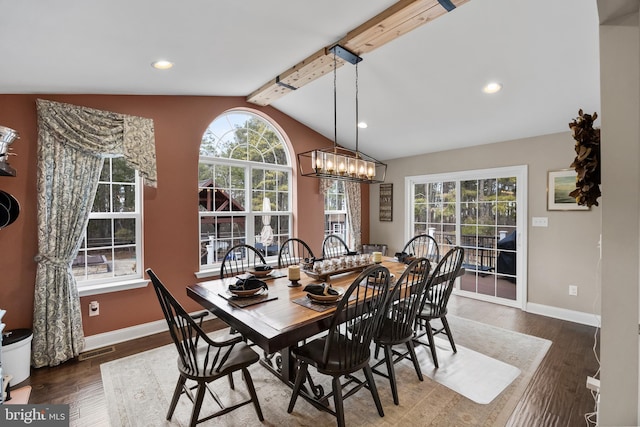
(162, 64)
(362, 125)
(492, 87)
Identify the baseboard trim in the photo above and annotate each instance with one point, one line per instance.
(564, 314)
(121, 335)
(138, 331)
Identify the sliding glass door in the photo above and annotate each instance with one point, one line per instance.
(484, 211)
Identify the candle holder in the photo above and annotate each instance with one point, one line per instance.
(294, 284)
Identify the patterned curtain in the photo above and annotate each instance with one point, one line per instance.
(354, 214)
(72, 143)
(354, 210)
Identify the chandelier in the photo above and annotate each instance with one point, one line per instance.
(339, 162)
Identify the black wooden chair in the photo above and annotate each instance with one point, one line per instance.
(423, 245)
(202, 359)
(435, 299)
(397, 326)
(292, 252)
(333, 246)
(239, 259)
(346, 347)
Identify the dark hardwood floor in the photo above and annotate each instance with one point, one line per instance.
(556, 396)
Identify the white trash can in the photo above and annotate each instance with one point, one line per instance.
(16, 354)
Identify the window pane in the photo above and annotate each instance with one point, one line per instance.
(99, 233)
(469, 190)
(507, 189)
(124, 263)
(125, 232)
(124, 198)
(487, 213)
(121, 172)
(102, 201)
(487, 189)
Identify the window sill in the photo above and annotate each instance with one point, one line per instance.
(205, 274)
(215, 271)
(105, 288)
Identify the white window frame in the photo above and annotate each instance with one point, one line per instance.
(213, 270)
(121, 283)
(521, 173)
(344, 229)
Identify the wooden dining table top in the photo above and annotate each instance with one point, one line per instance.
(275, 324)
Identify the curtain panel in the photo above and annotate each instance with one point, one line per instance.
(72, 144)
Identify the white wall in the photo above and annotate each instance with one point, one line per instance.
(565, 253)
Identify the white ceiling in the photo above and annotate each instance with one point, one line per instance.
(419, 93)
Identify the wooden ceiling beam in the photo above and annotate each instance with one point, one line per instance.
(388, 25)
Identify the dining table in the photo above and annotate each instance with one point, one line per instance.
(283, 315)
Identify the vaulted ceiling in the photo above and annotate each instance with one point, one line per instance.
(419, 92)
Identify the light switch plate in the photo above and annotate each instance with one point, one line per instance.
(539, 221)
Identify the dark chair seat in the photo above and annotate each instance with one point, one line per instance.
(239, 356)
(432, 311)
(334, 364)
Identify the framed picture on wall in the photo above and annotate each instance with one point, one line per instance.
(560, 184)
(386, 202)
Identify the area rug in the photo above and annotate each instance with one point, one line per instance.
(138, 388)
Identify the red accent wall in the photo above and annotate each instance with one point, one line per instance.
(170, 216)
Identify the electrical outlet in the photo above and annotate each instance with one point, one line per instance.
(573, 290)
(94, 308)
(593, 384)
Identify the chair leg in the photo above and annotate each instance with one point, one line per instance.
(414, 359)
(388, 358)
(252, 391)
(231, 384)
(449, 334)
(432, 344)
(197, 404)
(338, 401)
(302, 374)
(372, 387)
(176, 396)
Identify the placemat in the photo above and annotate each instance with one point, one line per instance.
(317, 306)
(246, 302)
(275, 274)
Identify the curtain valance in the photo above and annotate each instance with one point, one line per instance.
(102, 133)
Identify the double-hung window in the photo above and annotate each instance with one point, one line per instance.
(110, 254)
(244, 181)
(335, 211)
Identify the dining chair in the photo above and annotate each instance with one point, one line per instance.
(345, 349)
(202, 359)
(293, 251)
(423, 245)
(435, 299)
(398, 322)
(333, 246)
(239, 259)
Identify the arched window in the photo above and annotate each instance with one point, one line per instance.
(244, 181)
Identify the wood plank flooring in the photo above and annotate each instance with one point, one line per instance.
(556, 396)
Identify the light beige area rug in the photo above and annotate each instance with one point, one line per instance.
(492, 365)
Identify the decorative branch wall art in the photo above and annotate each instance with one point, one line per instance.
(587, 160)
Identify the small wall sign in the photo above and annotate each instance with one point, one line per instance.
(386, 202)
